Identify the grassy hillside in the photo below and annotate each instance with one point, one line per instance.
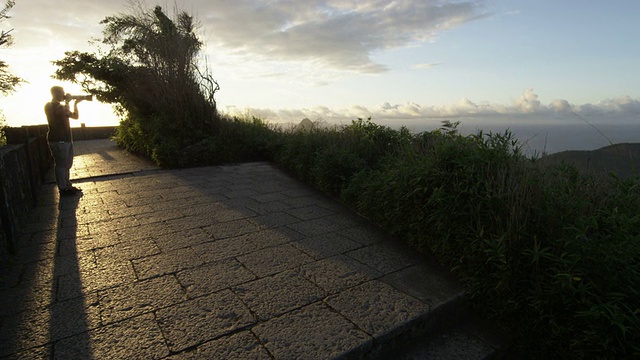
(621, 159)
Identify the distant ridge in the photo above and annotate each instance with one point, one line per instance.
(622, 159)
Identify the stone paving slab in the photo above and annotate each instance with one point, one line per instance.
(94, 158)
(237, 261)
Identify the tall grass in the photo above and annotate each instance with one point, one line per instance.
(234, 140)
(553, 255)
(329, 157)
(550, 253)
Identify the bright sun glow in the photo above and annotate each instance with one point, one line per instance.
(26, 106)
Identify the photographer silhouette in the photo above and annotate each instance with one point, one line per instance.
(60, 138)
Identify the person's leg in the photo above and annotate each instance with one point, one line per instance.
(68, 154)
(63, 157)
(59, 165)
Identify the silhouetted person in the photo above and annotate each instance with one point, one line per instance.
(59, 137)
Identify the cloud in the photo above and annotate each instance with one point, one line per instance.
(528, 103)
(337, 37)
(561, 106)
(338, 34)
(425, 66)
(621, 108)
(526, 108)
(40, 23)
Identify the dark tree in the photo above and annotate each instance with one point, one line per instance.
(8, 81)
(150, 73)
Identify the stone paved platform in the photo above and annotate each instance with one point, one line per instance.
(227, 262)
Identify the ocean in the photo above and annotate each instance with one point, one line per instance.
(541, 136)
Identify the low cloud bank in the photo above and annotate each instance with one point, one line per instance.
(527, 108)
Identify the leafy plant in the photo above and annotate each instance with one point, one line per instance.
(151, 75)
(8, 81)
(550, 253)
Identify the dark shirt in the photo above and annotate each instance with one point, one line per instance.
(58, 119)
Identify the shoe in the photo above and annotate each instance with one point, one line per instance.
(67, 192)
(70, 191)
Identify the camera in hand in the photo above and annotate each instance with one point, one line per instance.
(69, 97)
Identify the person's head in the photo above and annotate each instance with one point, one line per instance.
(57, 93)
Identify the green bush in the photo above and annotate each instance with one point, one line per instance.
(551, 254)
(3, 124)
(298, 151)
(151, 73)
(237, 140)
(330, 158)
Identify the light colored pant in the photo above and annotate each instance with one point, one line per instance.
(63, 157)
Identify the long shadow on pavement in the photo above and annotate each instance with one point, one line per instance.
(224, 262)
(34, 312)
(70, 314)
(268, 266)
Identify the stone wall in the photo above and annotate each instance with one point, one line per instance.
(22, 171)
(23, 165)
(19, 135)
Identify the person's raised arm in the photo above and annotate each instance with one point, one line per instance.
(75, 114)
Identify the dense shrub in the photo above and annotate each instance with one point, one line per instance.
(329, 158)
(552, 254)
(547, 251)
(152, 76)
(3, 125)
(238, 140)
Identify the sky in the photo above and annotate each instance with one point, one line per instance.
(548, 69)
